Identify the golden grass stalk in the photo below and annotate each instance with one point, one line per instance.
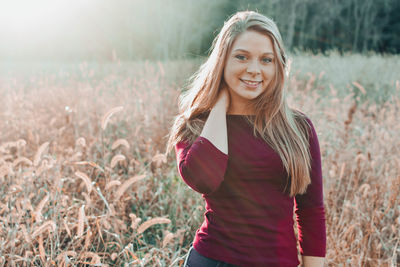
(67, 228)
(27, 205)
(5, 170)
(120, 142)
(39, 152)
(41, 249)
(86, 179)
(116, 159)
(134, 221)
(4, 208)
(127, 184)
(310, 82)
(134, 162)
(159, 220)
(61, 258)
(5, 158)
(27, 174)
(6, 146)
(342, 170)
(20, 143)
(106, 118)
(48, 225)
(364, 190)
(88, 239)
(81, 220)
(28, 254)
(38, 210)
(113, 256)
(87, 198)
(96, 260)
(26, 234)
(360, 87)
(20, 160)
(112, 183)
(128, 250)
(161, 67)
(15, 188)
(45, 165)
(167, 238)
(181, 234)
(360, 157)
(76, 156)
(80, 142)
(159, 159)
(105, 223)
(90, 163)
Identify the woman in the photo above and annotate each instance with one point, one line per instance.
(252, 157)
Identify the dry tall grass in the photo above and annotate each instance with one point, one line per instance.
(84, 181)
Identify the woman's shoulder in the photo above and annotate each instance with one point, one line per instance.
(300, 116)
(306, 125)
(303, 121)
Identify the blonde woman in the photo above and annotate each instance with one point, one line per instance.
(251, 157)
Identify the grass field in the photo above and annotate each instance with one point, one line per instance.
(84, 178)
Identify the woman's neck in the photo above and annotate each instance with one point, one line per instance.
(242, 110)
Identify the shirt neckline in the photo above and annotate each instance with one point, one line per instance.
(240, 115)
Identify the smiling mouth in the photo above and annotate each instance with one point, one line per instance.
(251, 83)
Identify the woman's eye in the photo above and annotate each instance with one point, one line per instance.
(267, 60)
(240, 57)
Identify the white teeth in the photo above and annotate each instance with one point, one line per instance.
(251, 82)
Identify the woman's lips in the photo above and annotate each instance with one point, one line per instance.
(249, 83)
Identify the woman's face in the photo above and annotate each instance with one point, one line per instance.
(249, 68)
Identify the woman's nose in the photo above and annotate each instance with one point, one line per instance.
(253, 67)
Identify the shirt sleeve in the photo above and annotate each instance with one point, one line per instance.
(201, 165)
(309, 207)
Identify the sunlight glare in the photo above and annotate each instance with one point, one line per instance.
(27, 19)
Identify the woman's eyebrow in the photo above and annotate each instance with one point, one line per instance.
(244, 50)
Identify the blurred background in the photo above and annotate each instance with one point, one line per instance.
(89, 91)
(169, 29)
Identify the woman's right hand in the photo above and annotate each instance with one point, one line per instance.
(215, 129)
(224, 98)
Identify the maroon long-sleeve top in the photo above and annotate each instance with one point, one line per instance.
(249, 219)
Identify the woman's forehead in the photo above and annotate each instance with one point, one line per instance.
(253, 42)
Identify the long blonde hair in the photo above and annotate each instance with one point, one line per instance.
(284, 129)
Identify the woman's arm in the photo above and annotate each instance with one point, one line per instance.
(309, 207)
(203, 163)
(310, 261)
(215, 126)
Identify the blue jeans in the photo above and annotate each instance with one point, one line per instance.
(195, 259)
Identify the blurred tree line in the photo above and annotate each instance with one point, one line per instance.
(319, 26)
(344, 25)
(168, 29)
